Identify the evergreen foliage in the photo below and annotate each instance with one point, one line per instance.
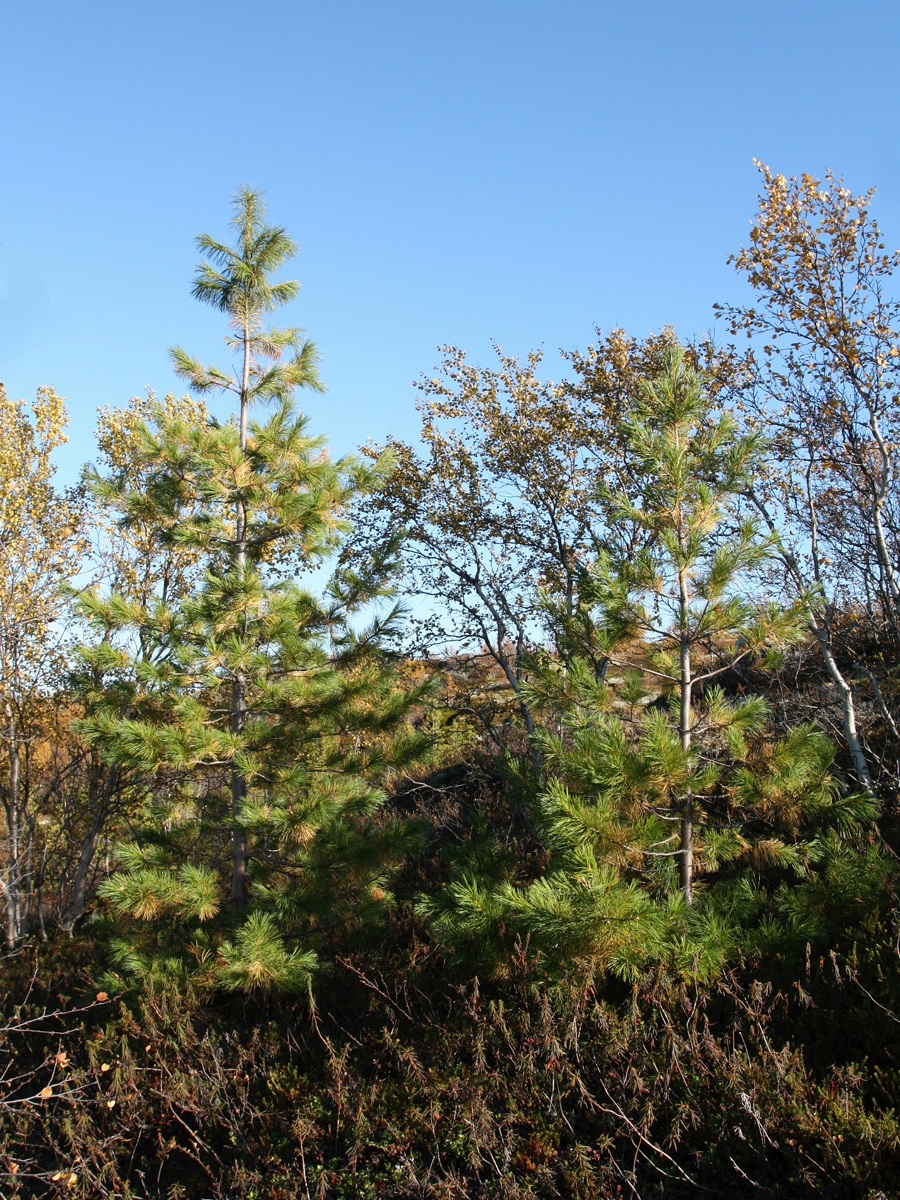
(673, 820)
(259, 713)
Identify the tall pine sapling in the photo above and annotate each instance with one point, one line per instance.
(236, 281)
(679, 616)
(685, 592)
(268, 718)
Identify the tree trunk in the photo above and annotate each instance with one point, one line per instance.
(848, 706)
(238, 795)
(684, 722)
(239, 849)
(819, 630)
(12, 889)
(102, 803)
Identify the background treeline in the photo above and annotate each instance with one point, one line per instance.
(512, 814)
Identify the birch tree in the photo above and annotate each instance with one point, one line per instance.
(41, 547)
(825, 330)
(502, 505)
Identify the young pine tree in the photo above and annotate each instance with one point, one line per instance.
(654, 778)
(697, 778)
(685, 593)
(263, 718)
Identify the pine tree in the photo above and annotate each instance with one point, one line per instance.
(235, 280)
(656, 764)
(264, 719)
(654, 776)
(686, 591)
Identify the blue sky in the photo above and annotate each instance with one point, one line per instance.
(454, 173)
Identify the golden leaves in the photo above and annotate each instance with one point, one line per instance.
(41, 528)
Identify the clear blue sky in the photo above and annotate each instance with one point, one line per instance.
(454, 172)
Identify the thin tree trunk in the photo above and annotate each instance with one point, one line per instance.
(13, 886)
(239, 847)
(848, 707)
(684, 720)
(10, 918)
(820, 632)
(238, 795)
(89, 843)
